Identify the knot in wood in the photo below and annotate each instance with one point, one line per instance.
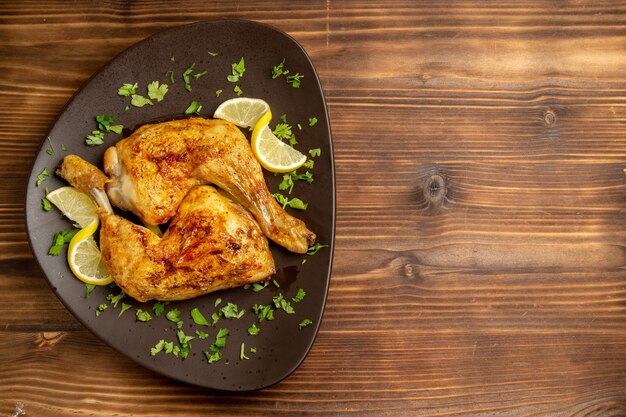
(549, 117)
(435, 189)
(409, 271)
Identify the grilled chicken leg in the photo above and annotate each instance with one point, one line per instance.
(211, 244)
(153, 169)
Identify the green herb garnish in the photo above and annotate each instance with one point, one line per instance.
(157, 92)
(217, 302)
(218, 92)
(304, 323)
(95, 138)
(140, 101)
(115, 299)
(231, 311)
(312, 121)
(105, 124)
(213, 53)
(89, 289)
(280, 302)
(185, 346)
(315, 152)
(124, 308)
(143, 315)
(194, 108)
(186, 75)
(159, 307)
(295, 80)
(201, 335)
(299, 296)
(50, 151)
(238, 90)
(200, 74)
(278, 70)
(100, 309)
(237, 71)
(59, 239)
(46, 205)
(41, 177)
(253, 330)
(171, 75)
(258, 286)
(242, 352)
(263, 312)
(127, 90)
(174, 316)
(294, 203)
(198, 318)
(315, 248)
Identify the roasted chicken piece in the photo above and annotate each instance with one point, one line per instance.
(153, 169)
(212, 243)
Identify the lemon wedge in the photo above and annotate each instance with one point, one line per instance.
(274, 154)
(75, 205)
(242, 111)
(85, 259)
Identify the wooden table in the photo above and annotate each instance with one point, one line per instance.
(481, 205)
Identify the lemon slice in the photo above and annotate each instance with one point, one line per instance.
(75, 205)
(85, 259)
(272, 153)
(242, 111)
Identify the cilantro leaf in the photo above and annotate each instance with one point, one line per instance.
(127, 90)
(140, 101)
(171, 75)
(186, 75)
(277, 71)
(217, 302)
(95, 138)
(230, 311)
(157, 348)
(253, 330)
(184, 340)
(295, 80)
(142, 315)
(115, 299)
(263, 312)
(50, 151)
(218, 92)
(200, 74)
(242, 352)
(315, 152)
(198, 318)
(280, 302)
(100, 309)
(59, 239)
(213, 53)
(238, 90)
(124, 308)
(41, 177)
(315, 248)
(157, 92)
(174, 316)
(201, 334)
(46, 205)
(282, 131)
(159, 307)
(299, 296)
(309, 164)
(258, 286)
(237, 71)
(312, 121)
(88, 289)
(194, 108)
(304, 323)
(213, 357)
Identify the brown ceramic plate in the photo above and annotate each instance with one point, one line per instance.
(280, 346)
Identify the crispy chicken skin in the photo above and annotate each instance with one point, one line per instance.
(212, 243)
(153, 169)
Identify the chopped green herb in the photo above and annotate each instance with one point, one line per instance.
(295, 80)
(258, 286)
(315, 152)
(215, 318)
(170, 348)
(201, 335)
(126, 108)
(304, 323)
(280, 302)
(185, 346)
(218, 302)
(159, 307)
(294, 203)
(230, 311)
(315, 248)
(95, 138)
(157, 348)
(252, 350)
(104, 124)
(50, 151)
(213, 53)
(283, 117)
(238, 90)
(299, 296)
(200, 74)
(263, 312)
(198, 318)
(46, 205)
(89, 289)
(174, 316)
(312, 121)
(213, 357)
(41, 177)
(275, 283)
(157, 92)
(100, 309)
(124, 308)
(309, 164)
(218, 92)
(59, 239)
(127, 90)
(220, 338)
(186, 75)
(63, 148)
(299, 126)
(143, 315)
(194, 108)
(171, 75)
(277, 71)
(115, 299)
(253, 330)
(282, 131)
(237, 71)
(140, 101)
(242, 352)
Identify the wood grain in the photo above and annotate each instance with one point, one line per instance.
(481, 210)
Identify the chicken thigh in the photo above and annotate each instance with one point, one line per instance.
(211, 244)
(153, 169)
